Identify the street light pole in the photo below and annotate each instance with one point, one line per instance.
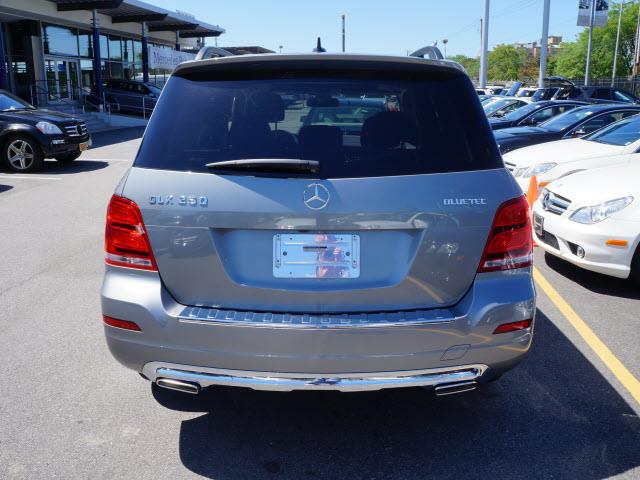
(615, 54)
(445, 41)
(343, 33)
(592, 16)
(485, 46)
(544, 44)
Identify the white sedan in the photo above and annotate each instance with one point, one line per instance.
(592, 219)
(617, 143)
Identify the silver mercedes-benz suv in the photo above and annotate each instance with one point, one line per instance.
(330, 222)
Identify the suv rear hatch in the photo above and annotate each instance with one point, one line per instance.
(331, 186)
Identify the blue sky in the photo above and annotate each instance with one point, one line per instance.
(377, 26)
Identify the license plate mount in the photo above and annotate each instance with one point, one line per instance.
(538, 225)
(316, 255)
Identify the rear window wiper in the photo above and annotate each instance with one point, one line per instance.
(292, 165)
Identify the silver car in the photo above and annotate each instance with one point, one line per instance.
(278, 232)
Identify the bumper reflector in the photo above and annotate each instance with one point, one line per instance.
(124, 324)
(513, 326)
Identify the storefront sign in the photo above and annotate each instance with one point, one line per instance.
(167, 59)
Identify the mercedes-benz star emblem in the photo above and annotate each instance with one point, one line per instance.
(316, 196)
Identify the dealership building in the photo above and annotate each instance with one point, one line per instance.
(61, 50)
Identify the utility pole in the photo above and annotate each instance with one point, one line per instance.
(615, 54)
(544, 43)
(636, 54)
(592, 16)
(343, 33)
(485, 45)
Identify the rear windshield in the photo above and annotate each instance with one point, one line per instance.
(354, 126)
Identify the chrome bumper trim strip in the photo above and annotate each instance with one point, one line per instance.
(213, 316)
(351, 382)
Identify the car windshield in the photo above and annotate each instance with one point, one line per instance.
(9, 102)
(497, 105)
(567, 120)
(521, 112)
(351, 125)
(620, 133)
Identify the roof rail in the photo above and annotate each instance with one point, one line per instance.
(212, 52)
(430, 52)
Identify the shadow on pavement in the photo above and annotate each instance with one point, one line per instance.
(102, 139)
(554, 416)
(4, 188)
(77, 166)
(595, 282)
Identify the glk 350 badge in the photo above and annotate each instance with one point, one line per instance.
(180, 200)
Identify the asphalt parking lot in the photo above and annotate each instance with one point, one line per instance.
(68, 410)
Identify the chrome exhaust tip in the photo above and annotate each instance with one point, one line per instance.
(178, 385)
(453, 388)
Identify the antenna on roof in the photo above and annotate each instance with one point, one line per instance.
(319, 48)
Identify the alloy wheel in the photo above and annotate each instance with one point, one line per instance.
(20, 154)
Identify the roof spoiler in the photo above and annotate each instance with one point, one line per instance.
(430, 52)
(212, 52)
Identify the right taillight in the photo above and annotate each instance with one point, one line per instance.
(510, 244)
(126, 240)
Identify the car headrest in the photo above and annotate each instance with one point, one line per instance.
(320, 137)
(265, 106)
(387, 130)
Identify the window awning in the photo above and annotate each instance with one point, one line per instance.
(137, 11)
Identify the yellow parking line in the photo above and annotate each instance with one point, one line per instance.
(627, 379)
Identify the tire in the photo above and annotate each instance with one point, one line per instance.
(22, 154)
(68, 157)
(635, 268)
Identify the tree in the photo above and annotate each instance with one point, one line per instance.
(471, 65)
(505, 62)
(571, 61)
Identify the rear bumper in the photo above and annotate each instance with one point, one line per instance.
(285, 382)
(329, 352)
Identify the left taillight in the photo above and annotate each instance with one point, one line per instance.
(126, 240)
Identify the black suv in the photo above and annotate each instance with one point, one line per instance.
(29, 135)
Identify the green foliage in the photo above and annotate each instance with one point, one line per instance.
(571, 61)
(505, 62)
(471, 65)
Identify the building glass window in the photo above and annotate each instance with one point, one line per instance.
(115, 48)
(104, 47)
(60, 40)
(85, 41)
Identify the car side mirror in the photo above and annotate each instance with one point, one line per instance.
(529, 121)
(579, 133)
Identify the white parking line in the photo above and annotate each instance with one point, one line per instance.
(30, 177)
(106, 159)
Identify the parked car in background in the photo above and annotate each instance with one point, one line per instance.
(592, 219)
(490, 90)
(577, 122)
(567, 90)
(29, 135)
(617, 143)
(131, 96)
(532, 113)
(548, 93)
(503, 105)
(526, 91)
(236, 256)
(348, 114)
